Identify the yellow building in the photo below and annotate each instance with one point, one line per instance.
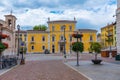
(37, 41)
(53, 38)
(89, 35)
(108, 31)
(57, 35)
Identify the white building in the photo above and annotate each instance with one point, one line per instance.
(7, 26)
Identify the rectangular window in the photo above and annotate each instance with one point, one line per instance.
(25, 38)
(62, 38)
(63, 28)
(20, 35)
(53, 38)
(25, 35)
(43, 47)
(43, 38)
(32, 38)
(53, 28)
(91, 38)
(32, 47)
(70, 27)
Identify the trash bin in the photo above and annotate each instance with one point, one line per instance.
(117, 57)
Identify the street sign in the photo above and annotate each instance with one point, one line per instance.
(22, 43)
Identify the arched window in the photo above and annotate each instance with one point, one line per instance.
(62, 37)
(53, 38)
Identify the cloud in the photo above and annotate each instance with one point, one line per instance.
(96, 13)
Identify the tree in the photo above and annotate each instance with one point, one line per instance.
(36, 27)
(95, 47)
(3, 45)
(78, 47)
(40, 27)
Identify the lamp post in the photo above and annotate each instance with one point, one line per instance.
(18, 27)
(64, 43)
(77, 53)
(22, 52)
(78, 46)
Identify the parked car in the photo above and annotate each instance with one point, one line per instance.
(47, 51)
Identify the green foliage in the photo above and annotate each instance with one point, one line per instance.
(96, 47)
(90, 50)
(40, 27)
(36, 27)
(2, 47)
(23, 49)
(78, 47)
(109, 40)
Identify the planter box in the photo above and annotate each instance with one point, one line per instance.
(107, 53)
(104, 54)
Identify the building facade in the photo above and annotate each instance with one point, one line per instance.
(58, 35)
(7, 26)
(118, 26)
(89, 35)
(108, 35)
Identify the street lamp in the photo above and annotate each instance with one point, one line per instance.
(64, 43)
(18, 27)
(22, 52)
(77, 47)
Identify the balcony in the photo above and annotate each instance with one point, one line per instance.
(32, 42)
(61, 41)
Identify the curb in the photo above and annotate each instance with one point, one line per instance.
(78, 71)
(8, 70)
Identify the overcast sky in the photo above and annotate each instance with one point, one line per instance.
(92, 14)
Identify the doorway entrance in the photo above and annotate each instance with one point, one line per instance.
(53, 49)
(61, 48)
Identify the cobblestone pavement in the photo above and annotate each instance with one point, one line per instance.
(88, 57)
(42, 70)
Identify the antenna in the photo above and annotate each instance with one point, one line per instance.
(11, 12)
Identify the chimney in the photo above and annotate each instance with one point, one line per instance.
(74, 19)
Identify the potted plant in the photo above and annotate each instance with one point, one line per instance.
(96, 48)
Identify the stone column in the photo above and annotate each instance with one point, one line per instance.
(118, 26)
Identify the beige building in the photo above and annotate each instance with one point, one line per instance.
(7, 26)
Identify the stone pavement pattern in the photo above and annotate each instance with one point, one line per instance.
(42, 70)
(104, 71)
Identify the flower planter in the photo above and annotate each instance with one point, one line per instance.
(77, 35)
(98, 61)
